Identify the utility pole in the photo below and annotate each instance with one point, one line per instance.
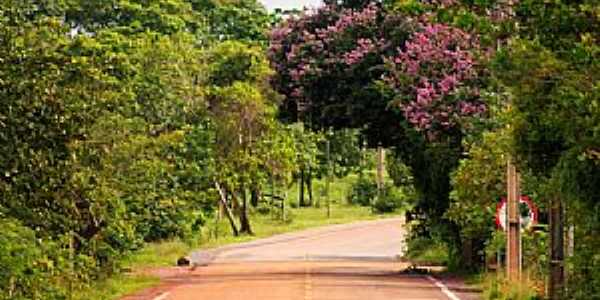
(557, 253)
(513, 240)
(327, 182)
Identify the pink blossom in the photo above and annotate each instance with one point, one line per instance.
(364, 47)
(438, 58)
(297, 92)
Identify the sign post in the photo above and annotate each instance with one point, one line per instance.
(513, 240)
(528, 219)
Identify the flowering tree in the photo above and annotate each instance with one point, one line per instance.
(330, 61)
(435, 78)
(319, 60)
(407, 81)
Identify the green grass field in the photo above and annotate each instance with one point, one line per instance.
(216, 234)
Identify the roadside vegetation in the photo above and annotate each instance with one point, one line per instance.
(128, 126)
(218, 233)
(455, 89)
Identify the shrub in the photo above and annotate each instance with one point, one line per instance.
(28, 269)
(363, 191)
(426, 250)
(390, 200)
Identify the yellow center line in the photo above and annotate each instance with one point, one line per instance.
(307, 284)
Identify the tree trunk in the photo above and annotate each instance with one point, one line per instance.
(467, 253)
(244, 220)
(254, 196)
(301, 189)
(309, 187)
(228, 211)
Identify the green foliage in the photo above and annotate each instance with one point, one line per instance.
(233, 61)
(36, 268)
(553, 76)
(307, 149)
(345, 153)
(250, 146)
(26, 272)
(390, 199)
(363, 191)
(134, 16)
(399, 172)
(479, 183)
(105, 129)
(426, 250)
(244, 20)
(500, 289)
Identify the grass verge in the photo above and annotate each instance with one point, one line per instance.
(498, 288)
(425, 251)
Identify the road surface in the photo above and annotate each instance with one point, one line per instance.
(344, 262)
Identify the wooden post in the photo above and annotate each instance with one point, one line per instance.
(71, 262)
(285, 197)
(557, 254)
(327, 182)
(513, 240)
(380, 166)
(301, 188)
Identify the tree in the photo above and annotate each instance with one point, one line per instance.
(552, 75)
(134, 16)
(77, 108)
(243, 20)
(241, 107)
(110, 112)
(306, 146)
(406, 82)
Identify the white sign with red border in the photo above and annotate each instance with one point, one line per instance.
(528, 219)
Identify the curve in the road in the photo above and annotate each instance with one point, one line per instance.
(370, 240)
(343, 262)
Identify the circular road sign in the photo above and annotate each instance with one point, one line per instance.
(527, 210)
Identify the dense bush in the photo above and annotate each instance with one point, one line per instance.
(363, 191)
(399, 172)
(105, 132)
(390, 199)
(30, 269)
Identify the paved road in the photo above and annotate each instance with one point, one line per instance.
(344, 262)
(375, 240)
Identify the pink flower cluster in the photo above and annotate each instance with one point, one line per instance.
(348, 19)
(308, 45)
(438, 44)
(364, 47)
(321, 36)
(438, 60)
